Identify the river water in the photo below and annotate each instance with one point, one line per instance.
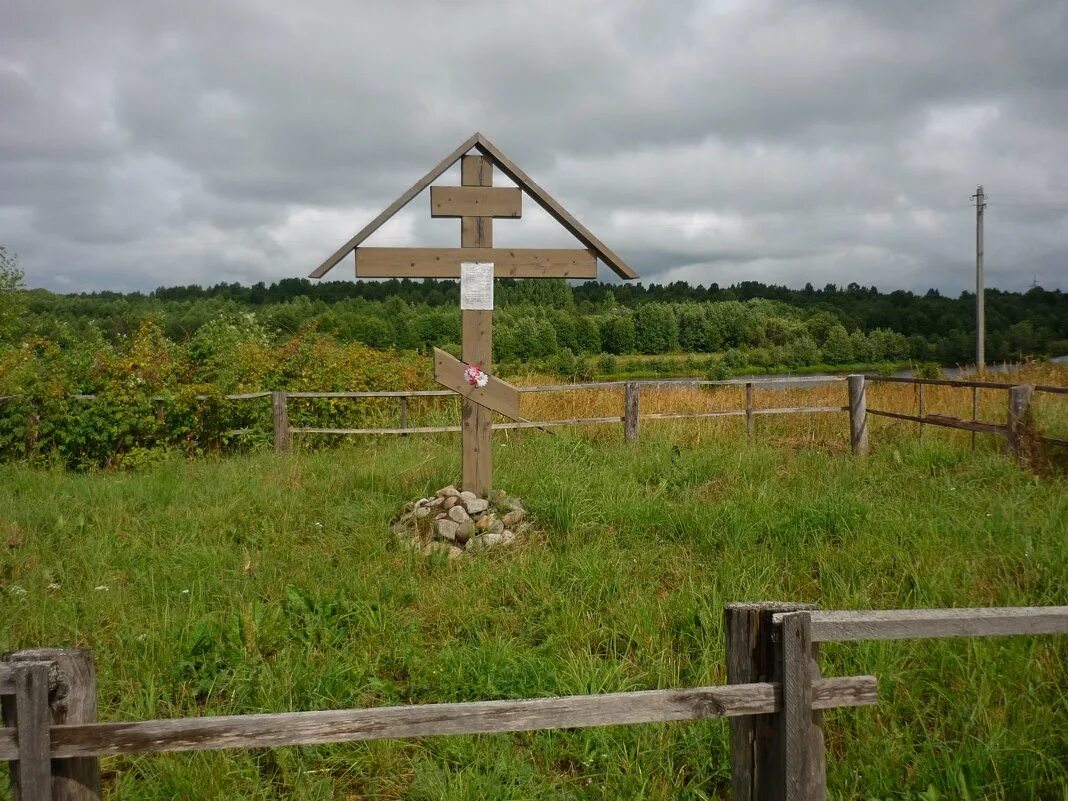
(948, 372)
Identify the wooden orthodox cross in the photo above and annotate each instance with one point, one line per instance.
(476, 202)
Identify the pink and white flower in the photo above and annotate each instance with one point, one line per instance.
(475, 376)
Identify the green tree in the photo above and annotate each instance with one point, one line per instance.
(656, 329)
(12, 296)
(838, 347)
(617, 334)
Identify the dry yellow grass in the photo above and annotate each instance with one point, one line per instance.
(829, 429)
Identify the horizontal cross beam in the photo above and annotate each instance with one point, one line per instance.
(445, 262)
(476, 201)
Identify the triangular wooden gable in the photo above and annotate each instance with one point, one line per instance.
(521, 179)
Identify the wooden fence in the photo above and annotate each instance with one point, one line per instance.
(774, 698)
(1013, 429)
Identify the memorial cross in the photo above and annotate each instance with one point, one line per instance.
(476, 202)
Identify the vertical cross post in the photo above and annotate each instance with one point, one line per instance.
(477, 345)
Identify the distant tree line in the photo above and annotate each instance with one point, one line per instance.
(747, 324)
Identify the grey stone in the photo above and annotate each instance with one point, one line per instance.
(467, 495)
(497, 527)
(476, 505)
(513, 517)
(450, 501)
(485, 522)
(507, 537)
(459, 515)
(449, 491)
(465, 531)
(422, 511)
(446, 529)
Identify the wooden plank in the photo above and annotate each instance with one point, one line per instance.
(476, 201)
(394, 207)
(577, 421)
(476, 347)
(804, 761)
(555, 210)
(374, 431)
(801, 410)
(940, 382)
(691, 415)
(943, 421)
(1052, 389)
(497, 395)
(411, 393)
(897, 624)
(479, 717)
(445, 262)
(749, 408)
(27, 712)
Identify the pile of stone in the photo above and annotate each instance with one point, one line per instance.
(454, 522)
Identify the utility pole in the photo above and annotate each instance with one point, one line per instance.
(980, 291)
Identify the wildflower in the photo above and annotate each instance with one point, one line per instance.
(54, 585)
(185, 592)
(17, 590)
(102, 588)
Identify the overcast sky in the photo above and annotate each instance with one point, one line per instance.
(145, 143)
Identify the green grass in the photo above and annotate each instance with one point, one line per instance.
(267, 583)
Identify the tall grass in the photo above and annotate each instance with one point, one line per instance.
(266, 583)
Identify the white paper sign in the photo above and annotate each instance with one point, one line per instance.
(476, 285)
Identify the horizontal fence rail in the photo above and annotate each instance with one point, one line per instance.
(398, 722)
(898, 624)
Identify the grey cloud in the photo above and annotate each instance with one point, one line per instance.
(144, 144)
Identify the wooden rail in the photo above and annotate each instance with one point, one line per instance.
(1014, 430)
(396, 722)
(896, 624)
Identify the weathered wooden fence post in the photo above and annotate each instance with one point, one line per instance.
(630, 411)
(70, 674)
(283, 437)
(858, 415)
(1019, 410)
(760, 760)
(404, 412)
(749, 408)
(26, 710)
(923, 405)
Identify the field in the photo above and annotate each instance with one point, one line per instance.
(265, 583)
